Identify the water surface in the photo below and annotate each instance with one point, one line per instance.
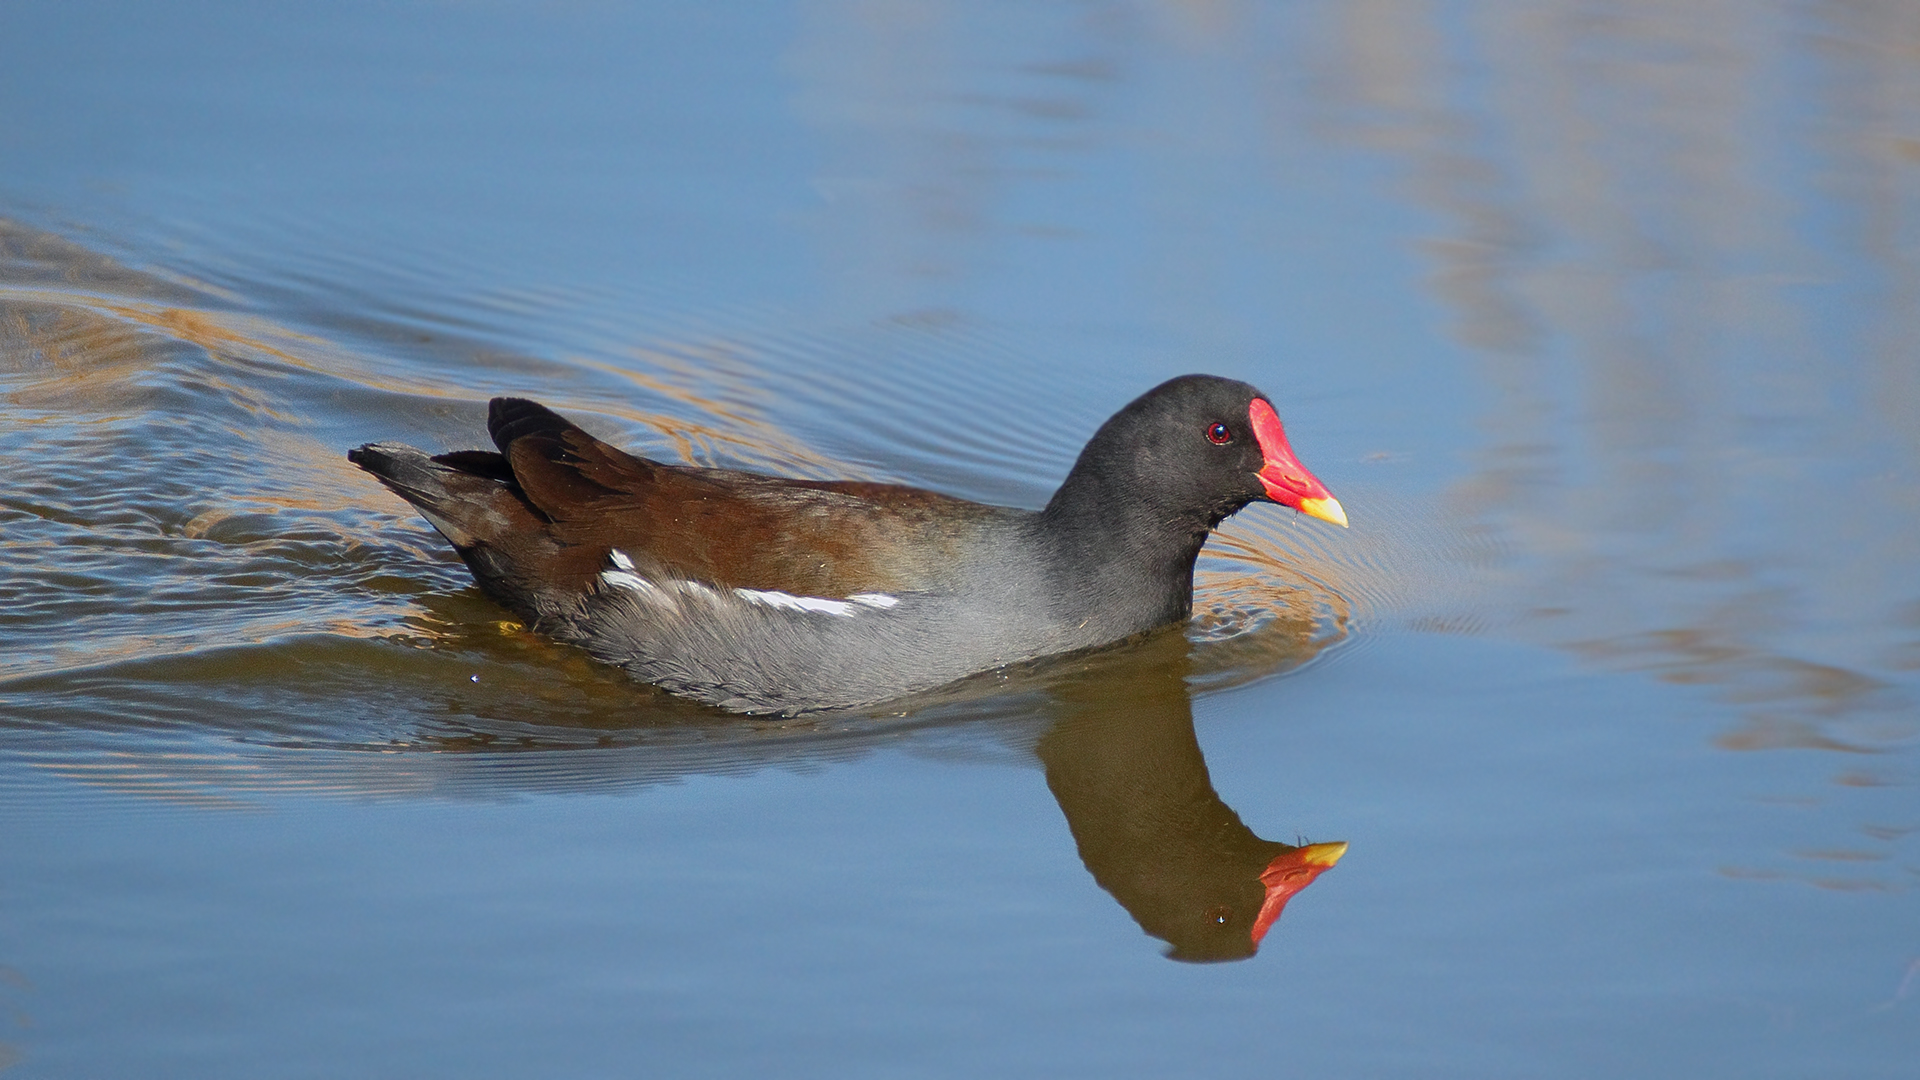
(1603, 321)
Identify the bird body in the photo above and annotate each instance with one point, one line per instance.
(762, 594)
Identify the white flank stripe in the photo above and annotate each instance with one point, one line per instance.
(623, 576)
(624, 579)
(774, 598)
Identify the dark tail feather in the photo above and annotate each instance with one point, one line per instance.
(510, 418)
(409, 472)
(469, 496)
(478, 463)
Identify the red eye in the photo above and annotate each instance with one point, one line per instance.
(1218, 434)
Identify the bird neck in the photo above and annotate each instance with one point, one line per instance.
(1119, 554)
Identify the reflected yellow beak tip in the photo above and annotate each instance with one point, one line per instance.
(1327, 509)
(1323, 854)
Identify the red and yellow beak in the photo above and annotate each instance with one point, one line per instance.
(1286, 481)
(1287, 874)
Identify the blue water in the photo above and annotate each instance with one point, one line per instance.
(1599, 319)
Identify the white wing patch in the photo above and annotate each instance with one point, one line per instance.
(849, 607)
(775, 599)
(623, 576)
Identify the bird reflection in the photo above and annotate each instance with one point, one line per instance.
(1114, 733)
(1126, 768)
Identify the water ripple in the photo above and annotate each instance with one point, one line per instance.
(192, 569)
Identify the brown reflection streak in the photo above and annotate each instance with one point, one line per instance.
(1843, 855)
(94, 323)
(33, 257)
(99, 356)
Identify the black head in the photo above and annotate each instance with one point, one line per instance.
(1189, 452)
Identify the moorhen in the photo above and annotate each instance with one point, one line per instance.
(768, 595)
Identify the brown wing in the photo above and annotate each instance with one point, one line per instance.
(733, 529)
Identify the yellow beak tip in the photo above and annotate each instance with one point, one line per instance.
(1324, 854)
(1327, 509)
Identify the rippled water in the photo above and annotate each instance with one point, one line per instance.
(1603, 321)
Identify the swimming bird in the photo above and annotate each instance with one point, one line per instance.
(763, 594)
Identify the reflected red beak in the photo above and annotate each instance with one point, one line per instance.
(1287, 874)
(1286, 481)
